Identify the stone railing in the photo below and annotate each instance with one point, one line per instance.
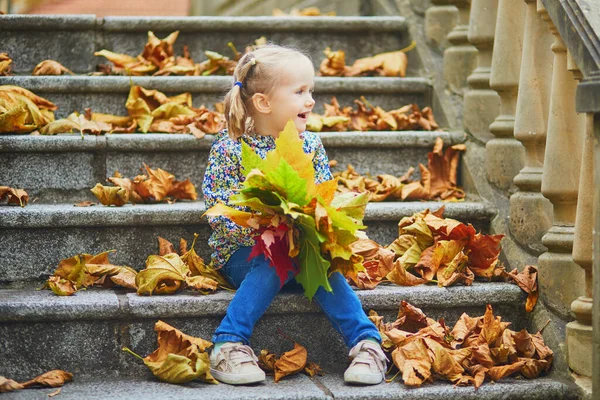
(532, 97)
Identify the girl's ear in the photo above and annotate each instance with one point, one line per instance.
(261, 104)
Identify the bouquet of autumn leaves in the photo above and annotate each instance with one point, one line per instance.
(301, 227)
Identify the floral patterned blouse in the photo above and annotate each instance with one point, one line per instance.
(224, 174)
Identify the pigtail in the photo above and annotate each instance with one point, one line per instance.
(236, 111)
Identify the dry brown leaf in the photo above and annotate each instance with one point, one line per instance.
(165, 247)
(61, 287)
(413, 361)
(50, 67)
(527, 281)
(179, 358)
(5, 61)
(111, 196)
(14, 196)
(311, 369)
(8, 385)
(86, 203)
(291, 362)
(54, 378)
(266, 360)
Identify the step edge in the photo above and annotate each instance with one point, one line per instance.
(165, 142)
(62, 215)
(106, 304)
(206, 84)
(109, 24)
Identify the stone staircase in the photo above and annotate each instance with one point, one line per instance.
(84, 333)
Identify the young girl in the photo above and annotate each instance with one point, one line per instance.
(273, 84)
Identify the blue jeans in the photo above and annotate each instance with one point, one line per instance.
(257, 284)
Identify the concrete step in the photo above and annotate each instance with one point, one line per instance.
(107, 94)
(35, 238)
(301, 387)
(62, 168)
(84, 334)
(72, 40)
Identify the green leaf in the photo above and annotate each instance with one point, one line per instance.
(352, 204)
(342, 220)
(250, 160)
(313, 267)
(289, 183)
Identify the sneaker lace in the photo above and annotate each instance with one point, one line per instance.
(239, 354)
(371, 356)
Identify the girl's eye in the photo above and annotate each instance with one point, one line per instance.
(299, 91)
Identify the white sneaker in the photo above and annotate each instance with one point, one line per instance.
(369, 364)
(235, 364)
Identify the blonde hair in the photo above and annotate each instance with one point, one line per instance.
(257, 72)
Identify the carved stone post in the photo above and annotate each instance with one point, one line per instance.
(482, 104)
(461, 58)
(439, 21)
(530, 212)
(579, 333)
(505, 156)
(560, 278)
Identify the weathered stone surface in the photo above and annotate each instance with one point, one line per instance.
(506, 388)
(74, 39)
(30, 39)
(579, 346)
(130, 320)
(297, 387)
(84, 348)
(561, 281)
(505, 158)
(108, 94)
(44, 305)
(61, 231)
(63, 168)
(530, 219)
(439, 21)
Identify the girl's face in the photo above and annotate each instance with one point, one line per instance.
(292, 97)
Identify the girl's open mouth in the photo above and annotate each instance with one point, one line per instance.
(303, 115)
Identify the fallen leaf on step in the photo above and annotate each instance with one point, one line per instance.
(14, 196)
(50, 67)
(54, 378)
(291, 362)
(179, 358)
(8, 385)
(85, 204)
(5, 61)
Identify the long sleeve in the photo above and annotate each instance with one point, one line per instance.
(321, 161)
(221, 179)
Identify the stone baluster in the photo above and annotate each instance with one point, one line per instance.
(530, 211)
(461, 58)
(560, 278)
(440, 19)
(482, 104)
(505, 156)
(579, 332)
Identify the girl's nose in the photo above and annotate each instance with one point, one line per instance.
(310, 102)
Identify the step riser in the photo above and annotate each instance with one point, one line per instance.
(63, 169)
(33, 254)
(73, 40)
(91, 349)
(111, 100)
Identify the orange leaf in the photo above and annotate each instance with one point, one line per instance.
(497, 373)
(50, 67)
(54, 378)
(413, 361)
(291, 362)
(165, 247)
